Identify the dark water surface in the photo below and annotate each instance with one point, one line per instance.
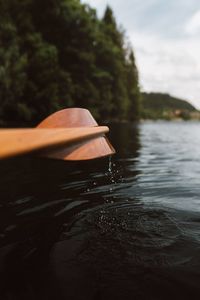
(83, 231)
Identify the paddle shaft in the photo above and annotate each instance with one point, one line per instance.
(14, 142)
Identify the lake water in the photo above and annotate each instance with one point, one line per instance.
(82, 231)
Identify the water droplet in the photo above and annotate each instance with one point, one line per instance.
(110, 165)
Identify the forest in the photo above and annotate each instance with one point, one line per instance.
(164, 106)
(58, 53)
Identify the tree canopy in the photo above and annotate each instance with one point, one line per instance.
(56, 54)
(164, 106)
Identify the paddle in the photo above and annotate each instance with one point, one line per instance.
(69, 134)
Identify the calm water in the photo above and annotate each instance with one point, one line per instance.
(82, 231)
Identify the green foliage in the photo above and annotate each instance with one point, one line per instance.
(48, 87)
(133, 87)
(163, 106)
(56, 54)
(13, 64)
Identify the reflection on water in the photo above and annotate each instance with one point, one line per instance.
(84, 231)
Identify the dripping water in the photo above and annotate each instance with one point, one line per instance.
(110, 165)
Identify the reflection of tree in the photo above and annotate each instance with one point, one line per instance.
(125, 139)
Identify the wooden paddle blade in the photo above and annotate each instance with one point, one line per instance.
(85, 150)
(15, 142)
(69, 117)
(69, 134)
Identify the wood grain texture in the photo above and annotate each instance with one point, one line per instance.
(83, 150)
(69, 117)
(69, 134)
(15, 142)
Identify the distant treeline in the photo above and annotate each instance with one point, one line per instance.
(163, 106)
(58, 53)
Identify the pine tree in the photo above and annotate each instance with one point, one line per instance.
(114, 62)
(56, 54)
(133, 87)
(13, 64)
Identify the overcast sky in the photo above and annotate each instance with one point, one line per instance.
(165, 35)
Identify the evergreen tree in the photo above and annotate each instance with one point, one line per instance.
(56, 54)
(13, 64)
(114, 62)
(71, 27)
(132, 87)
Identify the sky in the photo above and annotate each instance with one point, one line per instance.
(165, 35)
